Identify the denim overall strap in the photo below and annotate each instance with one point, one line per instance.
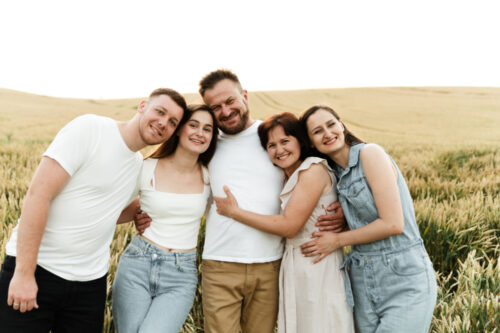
(348, 289)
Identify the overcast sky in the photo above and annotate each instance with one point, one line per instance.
(114, 49)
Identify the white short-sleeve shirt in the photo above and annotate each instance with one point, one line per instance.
(82, 217)
(243, 165)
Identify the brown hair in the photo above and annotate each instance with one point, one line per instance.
(350, 139)
(174, 95)
(168, 147)
(211, 79)
(291, 126)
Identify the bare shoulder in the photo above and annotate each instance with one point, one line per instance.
(372, 153)
(376, 162)
(315, 173)
(371, 150)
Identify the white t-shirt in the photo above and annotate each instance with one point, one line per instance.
(82, 217)
(242, 164)
(175, 217)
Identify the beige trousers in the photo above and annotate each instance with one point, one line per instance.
(240, 296)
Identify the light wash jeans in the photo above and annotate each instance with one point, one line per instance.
(394, 291)
(153, 289)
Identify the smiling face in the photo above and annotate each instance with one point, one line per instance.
(283, 150)
(325, 132)
(230, 106)
(159, 117)
(196, 134)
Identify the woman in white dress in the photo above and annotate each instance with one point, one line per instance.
(156, 278)
(312, 296)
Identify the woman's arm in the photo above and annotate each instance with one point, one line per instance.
(310, 185)
(382, 178)
(128, 213)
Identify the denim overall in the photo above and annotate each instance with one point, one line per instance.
(390, 282)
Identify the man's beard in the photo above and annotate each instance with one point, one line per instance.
(238, 128)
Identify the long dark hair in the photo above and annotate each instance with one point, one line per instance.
(350, 138)
(168, 147)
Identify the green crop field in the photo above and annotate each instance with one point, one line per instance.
(446, 142)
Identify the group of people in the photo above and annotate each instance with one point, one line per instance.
(282, 197)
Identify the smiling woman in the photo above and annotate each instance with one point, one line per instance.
(393, 282)
(157, 272)
(312, 297)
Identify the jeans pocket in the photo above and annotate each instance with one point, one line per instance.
(8, 267)
(407, 263)
(5, 275)
(133, 251)
(211, 266)
(187, 266)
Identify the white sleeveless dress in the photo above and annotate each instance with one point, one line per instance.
(312, 296)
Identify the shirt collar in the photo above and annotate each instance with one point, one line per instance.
(353, 160)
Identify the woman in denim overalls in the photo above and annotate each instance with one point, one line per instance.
(392, 283)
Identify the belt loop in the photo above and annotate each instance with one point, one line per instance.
(176, 255)
(385, 259)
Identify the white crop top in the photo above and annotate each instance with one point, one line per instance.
(175, 216)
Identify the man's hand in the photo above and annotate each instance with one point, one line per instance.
(142, 221)
(22, 292)
(334, 221)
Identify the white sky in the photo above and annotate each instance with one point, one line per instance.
(114, 49)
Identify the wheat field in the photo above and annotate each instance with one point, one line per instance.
(445, 140)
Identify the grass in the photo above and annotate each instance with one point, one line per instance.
(445, 140)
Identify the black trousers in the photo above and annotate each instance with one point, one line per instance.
(64, 306)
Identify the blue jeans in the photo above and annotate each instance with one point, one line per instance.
(394, 291)
(153, 289)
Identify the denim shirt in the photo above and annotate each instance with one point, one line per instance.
(359, 208)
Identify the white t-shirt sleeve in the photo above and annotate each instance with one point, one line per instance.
(72, 146)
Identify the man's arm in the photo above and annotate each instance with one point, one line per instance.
(129, 213)
(335, 221)
(49, 179)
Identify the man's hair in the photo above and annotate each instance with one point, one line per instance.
(211, 79)
(174, 95)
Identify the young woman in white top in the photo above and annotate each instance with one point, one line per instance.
(156, 277)
(312, 297)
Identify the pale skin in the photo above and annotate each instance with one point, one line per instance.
(382, 179)
(49, 180)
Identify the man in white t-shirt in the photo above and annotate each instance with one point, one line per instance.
(54, 274)
(241, 264)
